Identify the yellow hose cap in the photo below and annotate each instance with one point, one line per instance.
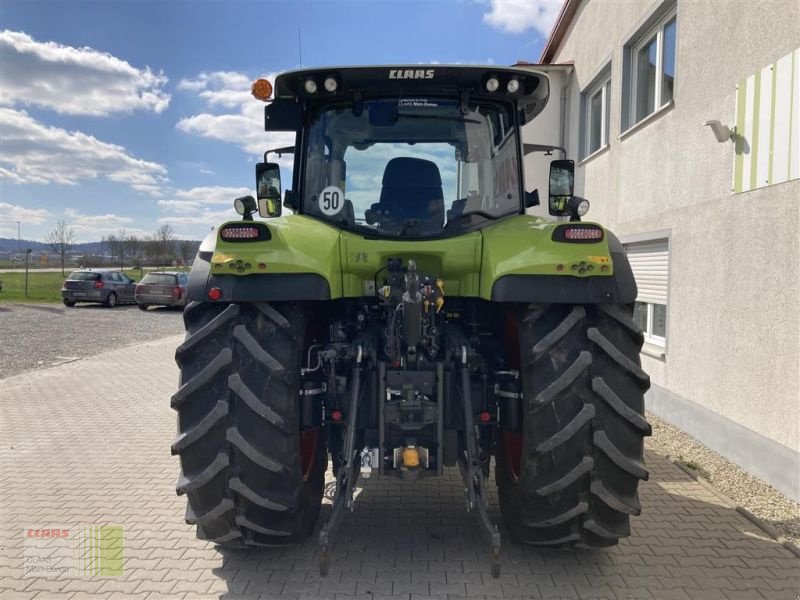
(410, 457)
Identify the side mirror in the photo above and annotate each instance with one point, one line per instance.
(562, 186)
(268, 189)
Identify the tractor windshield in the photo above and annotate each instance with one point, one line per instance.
(411, 167)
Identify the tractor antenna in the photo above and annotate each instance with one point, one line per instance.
(299, 48)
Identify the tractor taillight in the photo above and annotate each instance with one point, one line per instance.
(578, 232)
(214, 294)
(244, 232)
(239, 233)
(583, 234)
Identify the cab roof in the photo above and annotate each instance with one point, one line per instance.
(439, 80)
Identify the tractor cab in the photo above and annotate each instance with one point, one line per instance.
(401, 152)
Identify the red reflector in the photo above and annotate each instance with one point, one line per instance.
(214, 294)
(485, 416)
(336, 415)
(239, 233)
(583, 233)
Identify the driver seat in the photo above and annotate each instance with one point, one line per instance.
(411, 190)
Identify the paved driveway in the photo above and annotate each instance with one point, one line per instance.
(74, 457)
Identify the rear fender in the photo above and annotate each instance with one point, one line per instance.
(523, 263)
(299, 261)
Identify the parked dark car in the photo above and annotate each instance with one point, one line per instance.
(105, 286)
(162, 288)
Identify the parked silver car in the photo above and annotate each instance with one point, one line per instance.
(105, 286)
(162, 288)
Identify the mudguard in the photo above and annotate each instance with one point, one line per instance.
(298, 261)
(522, 262)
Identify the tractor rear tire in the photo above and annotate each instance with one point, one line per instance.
(239, 437)
(583, 428)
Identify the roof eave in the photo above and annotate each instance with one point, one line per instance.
(568, 10)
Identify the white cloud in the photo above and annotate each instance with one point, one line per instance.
(192, 212)
(206, 217)
(15, 212)
(196, 198)
(36, 153)
(75, 81)
(95, 227)
(234, 115)
(517, 16)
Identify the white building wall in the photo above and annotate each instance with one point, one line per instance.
(731, 371)
(546, 129)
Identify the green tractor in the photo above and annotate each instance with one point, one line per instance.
(410, 317)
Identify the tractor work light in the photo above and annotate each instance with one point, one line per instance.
(246, 205)
(492, 84)
(310, 86)
(331, 84)
(513, 86)
(582, 208)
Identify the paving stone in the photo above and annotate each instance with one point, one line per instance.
(402, 541)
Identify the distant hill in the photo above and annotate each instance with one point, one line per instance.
(11, 245)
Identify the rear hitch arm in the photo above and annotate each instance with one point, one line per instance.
(347, 477)
(472, 472)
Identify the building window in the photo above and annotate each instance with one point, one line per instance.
(650, 265)
(652, 319)
(595, 112)
(651, 69)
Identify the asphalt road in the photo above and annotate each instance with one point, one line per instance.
(34, 336)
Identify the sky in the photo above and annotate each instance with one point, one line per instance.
(132, 114)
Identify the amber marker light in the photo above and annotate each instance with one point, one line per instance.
(261, 89)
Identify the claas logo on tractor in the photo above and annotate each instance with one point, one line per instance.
(401, 307)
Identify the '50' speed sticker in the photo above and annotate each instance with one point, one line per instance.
(331, 201)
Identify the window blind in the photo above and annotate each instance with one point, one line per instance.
(650, 264)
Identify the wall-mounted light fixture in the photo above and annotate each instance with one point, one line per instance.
(723, 133)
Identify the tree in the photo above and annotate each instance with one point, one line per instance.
(164, 245)
(134, 248)
(61, 240)
(187, 250)
(117, 246)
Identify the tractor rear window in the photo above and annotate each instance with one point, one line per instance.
(84, 276)
(411, 167)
